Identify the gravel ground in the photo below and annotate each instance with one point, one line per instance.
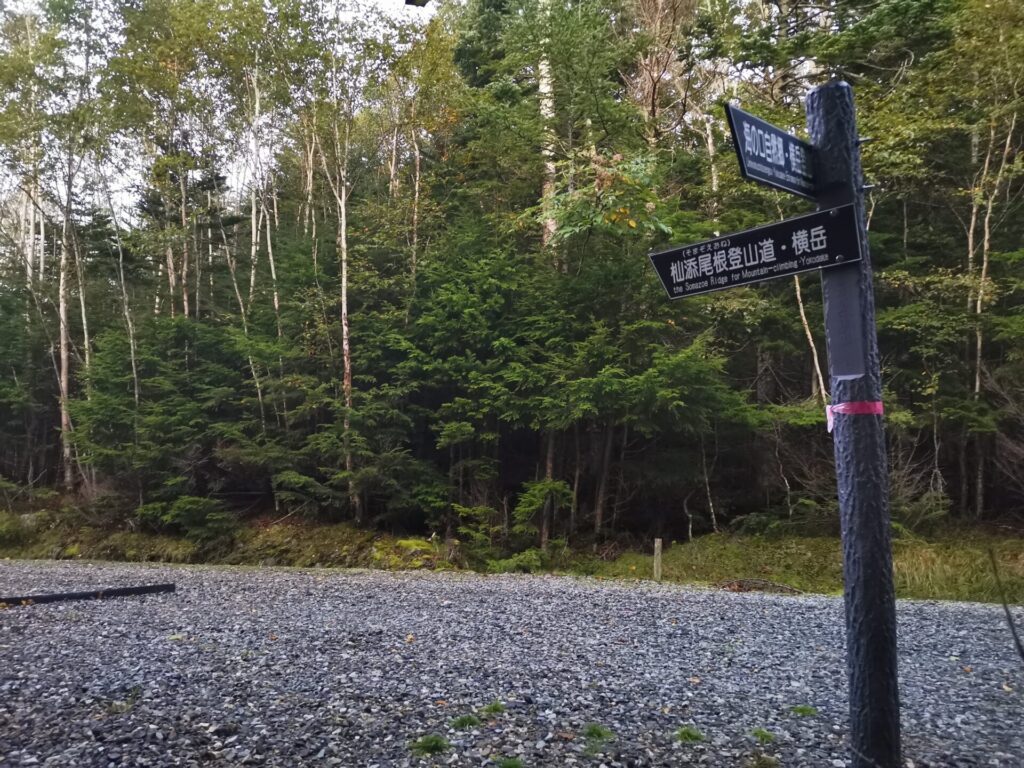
(278, 667)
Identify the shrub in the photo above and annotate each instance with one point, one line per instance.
(13, 532)
(528, 561)
(198, 518)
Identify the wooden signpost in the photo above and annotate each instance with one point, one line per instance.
(827, 170)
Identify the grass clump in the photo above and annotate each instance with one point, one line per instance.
(688, 734)
(431, 744)
(596, 732)
(949, 565)
(957, 567)
(807, 564)
(597, 736)
(465, 721)
(803, 710)
(493, 709)
(763, 736)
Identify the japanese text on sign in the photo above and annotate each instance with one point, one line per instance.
(770, 155)
(813, 241)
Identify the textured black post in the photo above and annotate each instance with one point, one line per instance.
(861, 465)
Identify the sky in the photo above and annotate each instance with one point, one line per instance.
(394, 7)
(125, 180)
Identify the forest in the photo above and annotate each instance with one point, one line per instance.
(354, 261)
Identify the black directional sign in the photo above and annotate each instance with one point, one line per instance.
(770, 155)
(814, 241)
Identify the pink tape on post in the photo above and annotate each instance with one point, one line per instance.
(858, 408)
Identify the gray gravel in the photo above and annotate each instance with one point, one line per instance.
(278, 667)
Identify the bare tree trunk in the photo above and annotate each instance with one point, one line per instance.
(577, 471)
(64, 377)
(709, 141)
(547, 513)
(26, 250)
(346, 348)
(602, 485)
(156, 293)
(80, 274)
(689, 517)
(547, 115)
(620, 478)
(273, 200)
(308, 161)
(254, 243)
(986, 252)
(232, 270)
(822, 390)
(273, 280)
(125, 308)
(41, 272)
(277, 313)
(209, 249)
(184, 244)
(172, 279)
(782, 474)
(764, 389)
(962, 464)
(338, 182)
(545, 93)
(393, 164)
(415, 205)
(707, 486)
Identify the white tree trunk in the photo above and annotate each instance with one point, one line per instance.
(64, 374)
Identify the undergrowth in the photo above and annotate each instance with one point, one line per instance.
(950, 565)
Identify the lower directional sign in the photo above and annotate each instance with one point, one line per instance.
(813, 241)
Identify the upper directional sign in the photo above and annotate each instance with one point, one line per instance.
(813, 241)
(770, 155)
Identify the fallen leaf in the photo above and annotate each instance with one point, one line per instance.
(1007, 688)
(695, 680)
(410, 638)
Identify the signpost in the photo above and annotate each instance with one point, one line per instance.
(827, 171)
(814, 241)
(770, 155)
(862, 468)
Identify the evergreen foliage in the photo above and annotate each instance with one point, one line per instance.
(393, 270)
